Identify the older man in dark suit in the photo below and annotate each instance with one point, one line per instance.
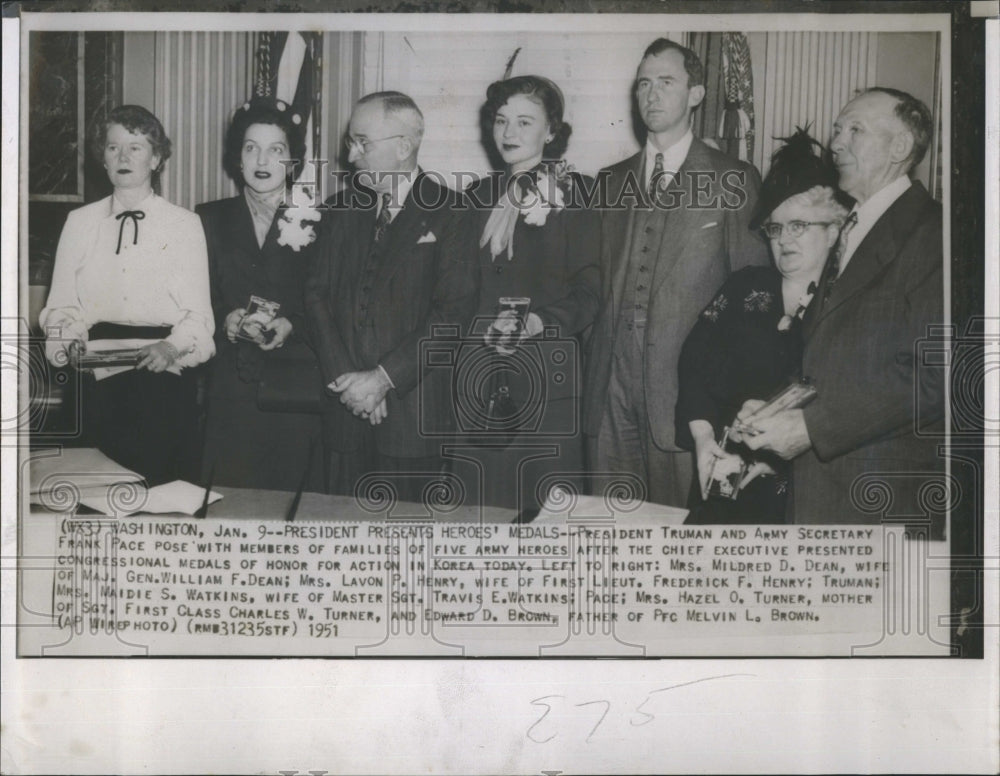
(880, 294)
(674, 225)
(398, 257)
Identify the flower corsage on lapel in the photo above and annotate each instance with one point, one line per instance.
(786, 320)
(296, 225)
(534, 194)
(545, 191)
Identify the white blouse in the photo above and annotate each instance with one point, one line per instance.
(158, 277)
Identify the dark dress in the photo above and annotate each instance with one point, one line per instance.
(245, 445)
(537, 441)
(736, 352)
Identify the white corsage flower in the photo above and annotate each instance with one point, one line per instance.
(537, 212)
(295, 227)
(546, 195)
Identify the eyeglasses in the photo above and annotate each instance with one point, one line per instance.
(363, 146)
(773, 230)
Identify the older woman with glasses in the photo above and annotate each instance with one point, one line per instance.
(747, 341)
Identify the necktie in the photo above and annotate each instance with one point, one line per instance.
(384, 217)
(136, 216)
(833, 268)
(655, 179)
(845, 230)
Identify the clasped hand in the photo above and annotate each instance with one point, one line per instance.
(363, 393)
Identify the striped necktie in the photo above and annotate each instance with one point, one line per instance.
(384, 217)
(845, 230)
(656, 179)
(833, 268)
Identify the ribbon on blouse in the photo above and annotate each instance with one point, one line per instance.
(499, 229)
(136, 216)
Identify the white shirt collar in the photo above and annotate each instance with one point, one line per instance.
(117, 207)
(673, 157)
(870, 211)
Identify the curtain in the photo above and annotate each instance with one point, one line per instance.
(200, 79)
(343, 55)
(447, 73)
(708, 47)
(808, 77)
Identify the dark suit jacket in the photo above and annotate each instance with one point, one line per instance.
(860, 351)
(427, 275)
(239, 268)
(706, 237)
(556, 265)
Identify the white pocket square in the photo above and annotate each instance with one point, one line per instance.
(710, 224)
(427, 238)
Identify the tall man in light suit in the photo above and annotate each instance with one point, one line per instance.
(674, 225)
(878, 297)
(397, 256)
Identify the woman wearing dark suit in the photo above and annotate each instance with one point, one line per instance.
(260, 246)
(537, 241)
(747, 342)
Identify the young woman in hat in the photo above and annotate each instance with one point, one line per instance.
(539, 242)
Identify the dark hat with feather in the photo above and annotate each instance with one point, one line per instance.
(795, 167)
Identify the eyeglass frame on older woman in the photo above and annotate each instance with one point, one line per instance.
(362, 146)
(795, 231)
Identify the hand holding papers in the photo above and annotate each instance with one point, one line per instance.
(729, 474)
(253, 326)
(80, 359)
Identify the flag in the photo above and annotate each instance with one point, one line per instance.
(296, 80)
(736, 127)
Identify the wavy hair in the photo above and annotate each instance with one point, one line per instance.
(263, 110)
(138, 121)
(540, 90)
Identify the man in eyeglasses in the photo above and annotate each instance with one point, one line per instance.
(397, 259)
(863, 438)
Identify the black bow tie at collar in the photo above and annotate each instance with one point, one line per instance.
(125, 215)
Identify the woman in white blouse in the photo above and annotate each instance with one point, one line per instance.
(131, 271)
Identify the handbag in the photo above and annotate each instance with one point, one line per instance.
(290, 381)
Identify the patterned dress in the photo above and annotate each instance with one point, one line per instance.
(739, 349)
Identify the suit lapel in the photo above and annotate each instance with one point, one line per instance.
(360, 226)
(406, 228)
(876, 252)
(271, 252)
(680, 220)
(618, 224)
(814, 311)
(241, 227)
